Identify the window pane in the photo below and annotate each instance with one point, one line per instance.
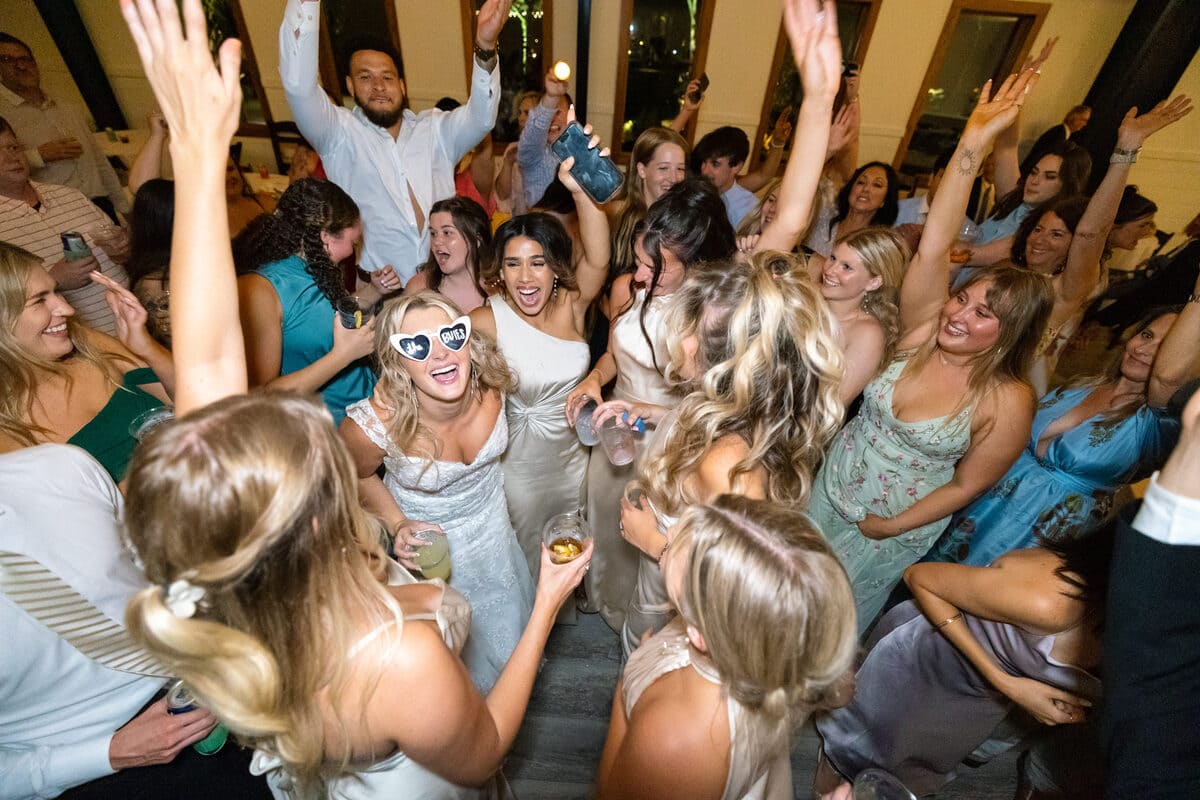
(662, 47)
(979, 48)
(222, 26)
(350, 21)
(852, 18)
(522, 59)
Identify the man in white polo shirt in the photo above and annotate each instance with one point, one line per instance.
(34, 215)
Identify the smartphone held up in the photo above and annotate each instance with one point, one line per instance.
(597, 175)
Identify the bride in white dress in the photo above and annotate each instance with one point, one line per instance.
(274, 608)
(436, 422)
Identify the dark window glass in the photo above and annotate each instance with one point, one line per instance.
(662, 47)
(222, 26)
(982, 47)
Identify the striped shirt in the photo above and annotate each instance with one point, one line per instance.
(37, 230)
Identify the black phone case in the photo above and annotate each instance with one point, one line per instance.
(597, 175)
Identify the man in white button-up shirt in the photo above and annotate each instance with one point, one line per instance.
(394, 163)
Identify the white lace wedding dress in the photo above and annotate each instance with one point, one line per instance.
(486, 563)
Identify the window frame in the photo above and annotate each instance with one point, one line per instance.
(250, 64)
(699, 65)
(467, 8)
(783, 51)
(1022, 8)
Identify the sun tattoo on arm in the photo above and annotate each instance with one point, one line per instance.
(968, 162)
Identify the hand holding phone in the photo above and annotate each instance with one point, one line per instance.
(695, 96)
(597, 175)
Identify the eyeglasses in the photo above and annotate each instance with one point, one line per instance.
(20, 61)
(418, 346)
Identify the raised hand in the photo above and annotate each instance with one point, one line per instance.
(845, 127)
(564, 167)
(490, 21)
(693, 87)
(130, 315)
(1135, 130)
(995, 113)
(816, 47)
(1036, 62)
(201, 103)
(783, 128)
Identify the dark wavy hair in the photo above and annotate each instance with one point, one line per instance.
(307, 209)
(1074, 172)
(1066, 207)
(1085, 563)
(547, 231)
(886, 213)
(150, 225)
(690, 221)
(476, 229)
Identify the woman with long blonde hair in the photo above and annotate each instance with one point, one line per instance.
(764, 636)
(272, 609)
(658, 162)
(949, 415)
(861, 283)
(757, 354)
(65, 382)
(436, 421)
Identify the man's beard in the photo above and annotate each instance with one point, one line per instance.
(384, 119)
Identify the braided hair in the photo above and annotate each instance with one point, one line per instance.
(307, 209)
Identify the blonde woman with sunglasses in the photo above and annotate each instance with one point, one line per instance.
(436, 422)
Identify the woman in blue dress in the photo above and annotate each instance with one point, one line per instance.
(1089, 440)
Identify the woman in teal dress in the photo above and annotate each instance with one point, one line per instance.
(290, 283)
(949, 416)
(64, 382)
(1089, 440)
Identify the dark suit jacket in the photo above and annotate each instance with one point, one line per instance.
(1151, 717)
(1169, 281)
(1056, 135)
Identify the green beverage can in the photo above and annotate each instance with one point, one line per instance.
(181, 701)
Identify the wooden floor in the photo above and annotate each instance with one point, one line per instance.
(558, 748)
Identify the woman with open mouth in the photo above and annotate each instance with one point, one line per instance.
(436, 421)
(460, 244)
(538, 318)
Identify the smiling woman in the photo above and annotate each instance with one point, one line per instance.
(436, 421)
(63, 381)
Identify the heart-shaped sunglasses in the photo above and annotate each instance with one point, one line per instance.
(418, 346)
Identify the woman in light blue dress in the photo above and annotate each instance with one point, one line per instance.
(950, 415)
(1089, 440)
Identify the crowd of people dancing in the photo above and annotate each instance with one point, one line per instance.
(820, 450)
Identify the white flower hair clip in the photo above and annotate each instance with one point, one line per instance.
(183, 598)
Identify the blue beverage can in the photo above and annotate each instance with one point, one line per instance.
(181, 701)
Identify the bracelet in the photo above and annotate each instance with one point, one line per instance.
(484, 56)
(777, 145)
(663, 552)
(938, 626)
(1121, 156)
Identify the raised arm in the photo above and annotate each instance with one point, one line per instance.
(202, 105)
(780, 134)
(464, 127)
(926, 284)
(687, 109)
(1008, 160)
(299, 44)
(1178, 358)
(1021, 590)
(1083, 260)
(818, 53)
(592, 269)
(148, 163)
